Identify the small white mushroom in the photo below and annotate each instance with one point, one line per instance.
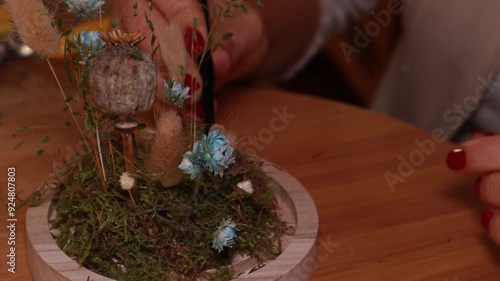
(246, 186)
(126, 181)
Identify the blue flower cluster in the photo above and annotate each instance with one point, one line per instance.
(89, 42)
(85, 8)
(175, 93)
(224, 235)
(213, 152)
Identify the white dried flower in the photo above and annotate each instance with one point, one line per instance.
(246, 186)
(126, 181)
(175, 93)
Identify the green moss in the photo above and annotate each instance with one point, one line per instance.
(224, 273)
(168, 233)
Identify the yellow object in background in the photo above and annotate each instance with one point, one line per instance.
(85, 25)
(6, 26)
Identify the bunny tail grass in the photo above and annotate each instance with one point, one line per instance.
(33, 23)
(167, 149)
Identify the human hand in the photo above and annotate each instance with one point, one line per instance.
(182, 43)
(481, 157)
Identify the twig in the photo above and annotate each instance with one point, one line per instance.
(67, 103)
(100, 169)
(90, 149)
(111, 155)
(97, 133)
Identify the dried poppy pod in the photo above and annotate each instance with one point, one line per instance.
(122, 77)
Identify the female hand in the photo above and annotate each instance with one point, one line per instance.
(481, 157)
(183, 43)
(265, 41)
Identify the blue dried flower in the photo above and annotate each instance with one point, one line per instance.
(224, 235)
(85, 8)
(213, 152)
(220, 152)
(191, 164)
(175, 93)
(89, 42)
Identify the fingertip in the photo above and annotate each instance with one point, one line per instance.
(476, 157)
(486, 219)
(491, 223)
(222, 62)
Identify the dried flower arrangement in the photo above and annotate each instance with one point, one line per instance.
(174, 200)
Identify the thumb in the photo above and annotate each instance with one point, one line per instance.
(241, 43)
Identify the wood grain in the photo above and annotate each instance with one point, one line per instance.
(426, 228)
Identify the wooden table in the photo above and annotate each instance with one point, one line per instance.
(424, 228)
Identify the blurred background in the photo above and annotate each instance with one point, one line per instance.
(355, 79)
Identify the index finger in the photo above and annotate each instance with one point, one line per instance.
(477, 156)
(176, 33)
(133, 19)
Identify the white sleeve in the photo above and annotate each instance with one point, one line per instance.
(334, 16)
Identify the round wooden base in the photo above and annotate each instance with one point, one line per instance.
(296, 262)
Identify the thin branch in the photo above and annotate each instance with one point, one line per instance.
(98, 136)
(67, 103)
(111, 155)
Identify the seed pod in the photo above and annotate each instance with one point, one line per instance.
(122, 77)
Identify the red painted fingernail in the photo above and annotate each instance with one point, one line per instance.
(456, 159)
(192, 83)
(484, 134)
(486, 218)
(195, 44)
(477, 185)
(200, 112)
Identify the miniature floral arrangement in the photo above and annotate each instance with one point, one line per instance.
(163, 200)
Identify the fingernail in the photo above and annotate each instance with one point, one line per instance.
(477, 185)
(483, 134)
(200, 113)
(456, 159)
(192, 83)
(486, 218)
(195, 44)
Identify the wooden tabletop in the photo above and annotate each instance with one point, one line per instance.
(423, 226)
